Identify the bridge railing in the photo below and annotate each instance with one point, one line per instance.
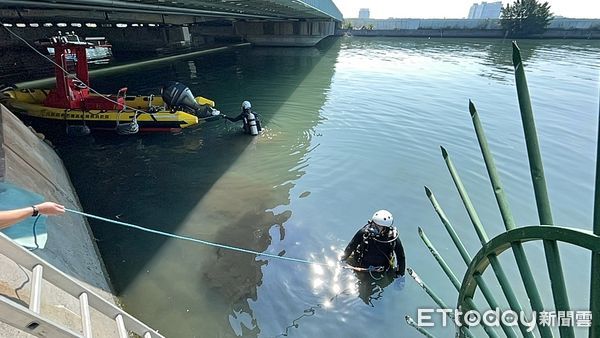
(514, 237)
(325, 6)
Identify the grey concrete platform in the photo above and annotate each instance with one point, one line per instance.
(29, 162)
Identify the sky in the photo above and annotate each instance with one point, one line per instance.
(383, 9)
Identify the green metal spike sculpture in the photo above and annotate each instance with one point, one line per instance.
(595, 284)
(515, 236)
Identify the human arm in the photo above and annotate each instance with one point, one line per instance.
(400, 258)
(10, 217)
(234, 119)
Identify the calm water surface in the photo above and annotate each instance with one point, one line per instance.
(351, 126)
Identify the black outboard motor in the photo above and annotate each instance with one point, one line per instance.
(178, 96)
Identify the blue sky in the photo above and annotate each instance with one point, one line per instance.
(383, 9)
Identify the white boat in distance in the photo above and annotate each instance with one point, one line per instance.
(99, 50)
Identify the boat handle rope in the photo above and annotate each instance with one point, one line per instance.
(196, 240)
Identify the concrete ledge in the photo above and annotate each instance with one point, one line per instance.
(285, 33)
(2, 165)
(32, 164)
(471, 33)
(425, 33)
(284, 40)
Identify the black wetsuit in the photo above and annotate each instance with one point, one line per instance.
(369, 248)
(244, 116)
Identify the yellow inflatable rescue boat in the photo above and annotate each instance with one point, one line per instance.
(74, 103)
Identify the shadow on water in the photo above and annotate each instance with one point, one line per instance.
(162, 182)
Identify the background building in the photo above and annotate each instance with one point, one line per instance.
(364, 13)
(486, 10)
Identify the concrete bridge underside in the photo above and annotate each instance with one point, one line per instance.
(181, 22)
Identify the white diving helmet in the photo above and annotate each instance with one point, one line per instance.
(246, 105)
(383, 218)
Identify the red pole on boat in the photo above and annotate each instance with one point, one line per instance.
(61, 95)
(82, 65)
(68, 93)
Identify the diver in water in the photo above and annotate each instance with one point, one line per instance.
(377, 255)
(251, 123)
(376, 247)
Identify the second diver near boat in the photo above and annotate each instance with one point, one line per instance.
(250, 120)
(376, 247)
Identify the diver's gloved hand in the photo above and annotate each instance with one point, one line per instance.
(399, 283)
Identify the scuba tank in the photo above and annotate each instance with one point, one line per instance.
(252, 128)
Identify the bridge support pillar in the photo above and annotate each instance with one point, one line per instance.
(178, 36)
(285, 33)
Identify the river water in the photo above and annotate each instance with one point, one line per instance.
(351, 126)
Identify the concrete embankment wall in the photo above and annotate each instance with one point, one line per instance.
(478, 28)
(470, 33)
(426, 33)
(28, 162)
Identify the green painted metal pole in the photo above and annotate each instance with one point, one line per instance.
(487, 294)
(503, 205)
(531, 139)
(421, 330)
(449, 228)
(483, 237)
(451, 276)
(509, 223)
(555, 270)
(439, 259)
(595, 281)
(436, 299)
(428, 290)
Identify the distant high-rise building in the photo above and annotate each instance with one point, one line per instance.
(364, 13)
(472, 11)
(485, 10)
